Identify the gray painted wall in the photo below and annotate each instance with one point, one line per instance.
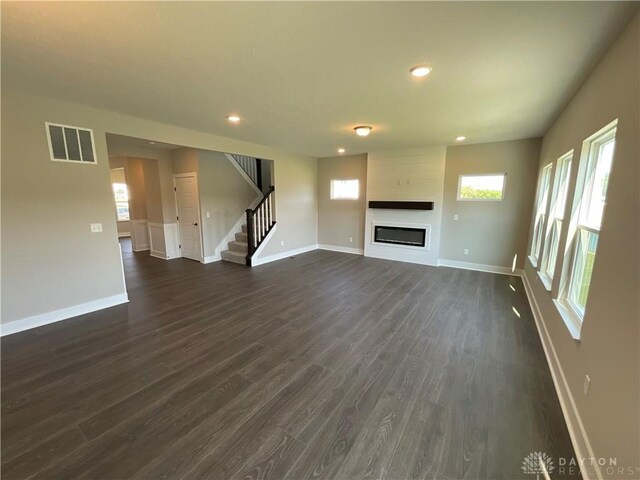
(224, 193)
(50, 259)
(340, 220)
(608, 350)
(493, 232)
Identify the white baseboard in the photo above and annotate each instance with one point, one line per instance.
(124, 234)
(155, 254)
(337, 248)
(480, 267)
(579, 438)
(280, 256)
(212, 258)
(62, 314)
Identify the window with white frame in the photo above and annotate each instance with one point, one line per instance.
(556, 216)
(345, 189)
(541, 209)
(584, 230)
(122, 201)
(481, 187)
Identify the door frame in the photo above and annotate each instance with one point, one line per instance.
(175, 200)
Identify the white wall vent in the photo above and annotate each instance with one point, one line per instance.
(70, 144)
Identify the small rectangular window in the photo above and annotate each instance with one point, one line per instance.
(481, 187)
(541, 209)
(584, 229)
(345, 189)
(70, 144)
(122, 201)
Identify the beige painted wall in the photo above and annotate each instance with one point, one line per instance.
(50, 259)
(340, 220)
(608, 350)
(153, 193)
(296, 202)
(224, 194)
(134, 171)
(185, 160)
(165, 170)
(492, 231)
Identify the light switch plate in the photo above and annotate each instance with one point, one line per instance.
(96, 227)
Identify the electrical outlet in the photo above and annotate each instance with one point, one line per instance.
(466, 251)
(351, 239)
(586, 385)
(208, 214)
(282, 243)
(455, 217)
(96, 227)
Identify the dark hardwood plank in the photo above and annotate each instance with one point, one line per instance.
(325, 365)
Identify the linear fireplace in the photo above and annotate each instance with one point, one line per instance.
(414, 237)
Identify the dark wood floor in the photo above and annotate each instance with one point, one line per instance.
(326, 365)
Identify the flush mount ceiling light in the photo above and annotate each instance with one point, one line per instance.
(233, 118)
(460, 138)
(341, 150)
(363, 130)
(420, 71)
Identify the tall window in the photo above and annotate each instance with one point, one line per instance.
(345, 189)
(122, 201)
(556, 216)
(584, 231)
(541, 208)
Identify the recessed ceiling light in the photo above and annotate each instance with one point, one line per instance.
(363, 130)
(341, 150)
(460, 138)
(152, 143)
(420, 71)
(233, 118)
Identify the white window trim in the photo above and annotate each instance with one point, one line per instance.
(533, 258)
(552, 218)
(348, 199)
(499, 174)
(572, 318)
(76, 162)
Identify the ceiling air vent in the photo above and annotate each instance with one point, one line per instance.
(70, 144)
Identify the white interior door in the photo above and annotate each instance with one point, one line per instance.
(188, 208)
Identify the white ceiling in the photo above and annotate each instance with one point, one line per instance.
(303, 74)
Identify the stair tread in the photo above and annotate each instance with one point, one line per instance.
(234, 253)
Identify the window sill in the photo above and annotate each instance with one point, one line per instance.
(571, 320)
(546, 281)
(533, 261)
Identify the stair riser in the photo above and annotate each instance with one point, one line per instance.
(241, 237)
(233, 258)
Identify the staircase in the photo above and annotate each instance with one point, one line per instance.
(259, 223)
(252, 167)
(238, 249)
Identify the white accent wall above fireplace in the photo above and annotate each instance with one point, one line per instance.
(406, 175)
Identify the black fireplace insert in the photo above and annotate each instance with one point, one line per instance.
(414, 237)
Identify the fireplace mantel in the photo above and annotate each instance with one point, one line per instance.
(400, 205)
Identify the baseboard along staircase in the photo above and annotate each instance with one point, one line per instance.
(259, 220)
